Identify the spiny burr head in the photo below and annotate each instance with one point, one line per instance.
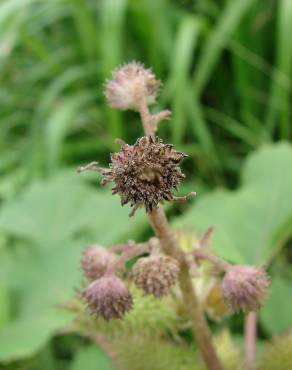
(155, 274)
(95, 260)
(145, 173)
(245, 288)
(128, 81)
(108, 297)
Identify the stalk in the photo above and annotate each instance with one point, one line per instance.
(128, 254)
(218, 262)
(250, 333)
(170, 247)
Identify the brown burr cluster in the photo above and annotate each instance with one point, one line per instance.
(145, 173)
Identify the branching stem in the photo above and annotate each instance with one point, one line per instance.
(199, 324)
(170, 247)
(128, 254)
(218, 262)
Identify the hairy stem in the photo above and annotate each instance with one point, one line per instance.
(199, 324)
(218, 262)
(120, 248)
(250, 334)
(147, 120)
(170, 247)
(128, 254)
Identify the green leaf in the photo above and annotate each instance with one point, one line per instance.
(276, 313)
(51, 223)
(91, 358)
(253, 222)
(27, 335)
(60, 208)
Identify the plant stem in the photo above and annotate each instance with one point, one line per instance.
(218, 262)
(128, 254)
(250, 334)
(170, 247)
(146, 117)
(199, 324)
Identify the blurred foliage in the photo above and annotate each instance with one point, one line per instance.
(226, 75)
(226, 72)
(148, 336)
(150, 317)
(89, 358)
(277, 355)
(46, 229)
(253, 222)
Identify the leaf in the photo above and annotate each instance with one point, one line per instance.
(27, 335)
(276, 313)
(91, 358)
(55, 210)
(51, 223)
(252, 222)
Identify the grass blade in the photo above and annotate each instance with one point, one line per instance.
(280, 97)
(218, 39)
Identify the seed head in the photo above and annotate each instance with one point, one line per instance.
(128, 81)
(108, 297)
(95, 260)
(155, 274)
(145, 173)
(245, 288)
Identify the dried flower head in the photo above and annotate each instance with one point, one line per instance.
(145, 173)
(155, 274)
(128, 81)
(95, 260)
(245, 288)
(108, 297)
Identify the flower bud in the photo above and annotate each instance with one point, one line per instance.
(155, 274)
(245, 288)
(108, 297)
(128, 81)
(95, 260)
